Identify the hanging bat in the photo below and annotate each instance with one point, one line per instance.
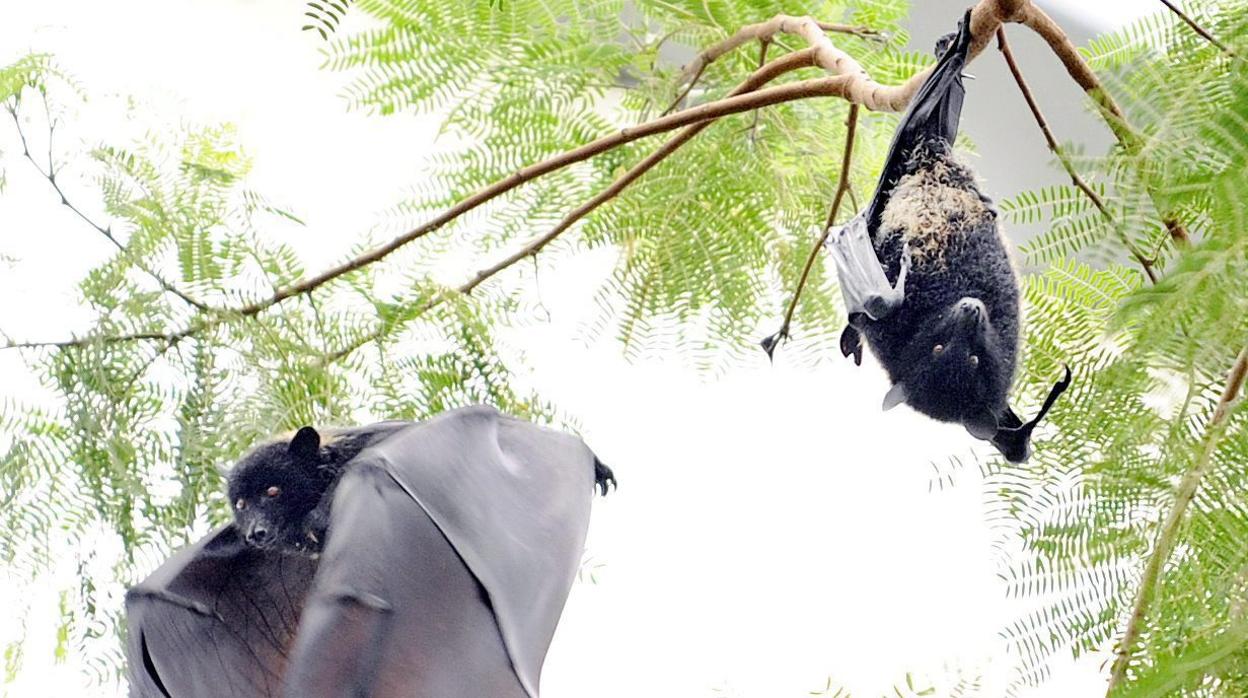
(398, 559)
(926, 277)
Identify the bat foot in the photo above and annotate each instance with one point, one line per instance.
(851, 343)
(604, 478)
(315, 531)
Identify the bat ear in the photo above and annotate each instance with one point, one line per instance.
(306, 444)
(895, 396)
(982, 425)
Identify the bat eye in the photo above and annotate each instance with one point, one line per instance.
(938, 348)
(240, 504)
(273, 491)
(974, 360)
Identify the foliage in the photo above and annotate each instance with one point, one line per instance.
(125, 447)
(1151, 362)
(124, 450)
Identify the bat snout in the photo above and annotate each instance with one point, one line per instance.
(259, 535)
(970, 311)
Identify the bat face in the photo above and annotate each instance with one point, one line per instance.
(956, 366)
(274, 487)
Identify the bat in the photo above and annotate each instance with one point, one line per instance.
(926, 277)
(449, 551)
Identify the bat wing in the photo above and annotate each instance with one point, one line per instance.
(452, 547)
(934, 114)
(216, 620)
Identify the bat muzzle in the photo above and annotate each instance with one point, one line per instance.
(971, 313)
(259, 536)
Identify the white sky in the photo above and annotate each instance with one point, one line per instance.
(759, 543)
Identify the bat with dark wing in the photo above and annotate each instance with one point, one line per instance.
(440, 568)
(926, 277)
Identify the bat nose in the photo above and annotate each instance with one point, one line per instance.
(257, 535)
(971, 310)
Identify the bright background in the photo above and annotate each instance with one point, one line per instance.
(773, 527)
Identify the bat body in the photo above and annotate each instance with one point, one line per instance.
(926, 277)
(450, 549)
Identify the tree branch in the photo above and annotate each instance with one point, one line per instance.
(837, 86)
(765, 74)
(842, 187)
(764, 32)
(1198, 29)
(1036, 20)
(851, 83)
(50, 176)
(1169, 532)
(1063, 158)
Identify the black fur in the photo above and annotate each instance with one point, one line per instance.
(972, 266)
(305, 471)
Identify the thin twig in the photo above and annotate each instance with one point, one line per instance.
(50, 176)
(1064, 159)
(680, 98)
(842, 188)
(762, 61)
(1168, 534)
(1198, 29)
(765, 32)
(85, 341)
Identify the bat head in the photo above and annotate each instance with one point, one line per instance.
(274, 487)
(957, 367)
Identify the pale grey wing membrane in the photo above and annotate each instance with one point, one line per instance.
(864, 285)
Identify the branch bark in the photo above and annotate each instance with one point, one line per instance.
(1168, 535)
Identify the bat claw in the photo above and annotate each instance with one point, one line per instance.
(604, 478)
(851, 344)
(770, 342)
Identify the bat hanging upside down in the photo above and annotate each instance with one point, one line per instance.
(926, 277)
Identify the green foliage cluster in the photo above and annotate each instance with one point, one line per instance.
(713, 235)
(709, 245)
(1151, 362)
(127, 445)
